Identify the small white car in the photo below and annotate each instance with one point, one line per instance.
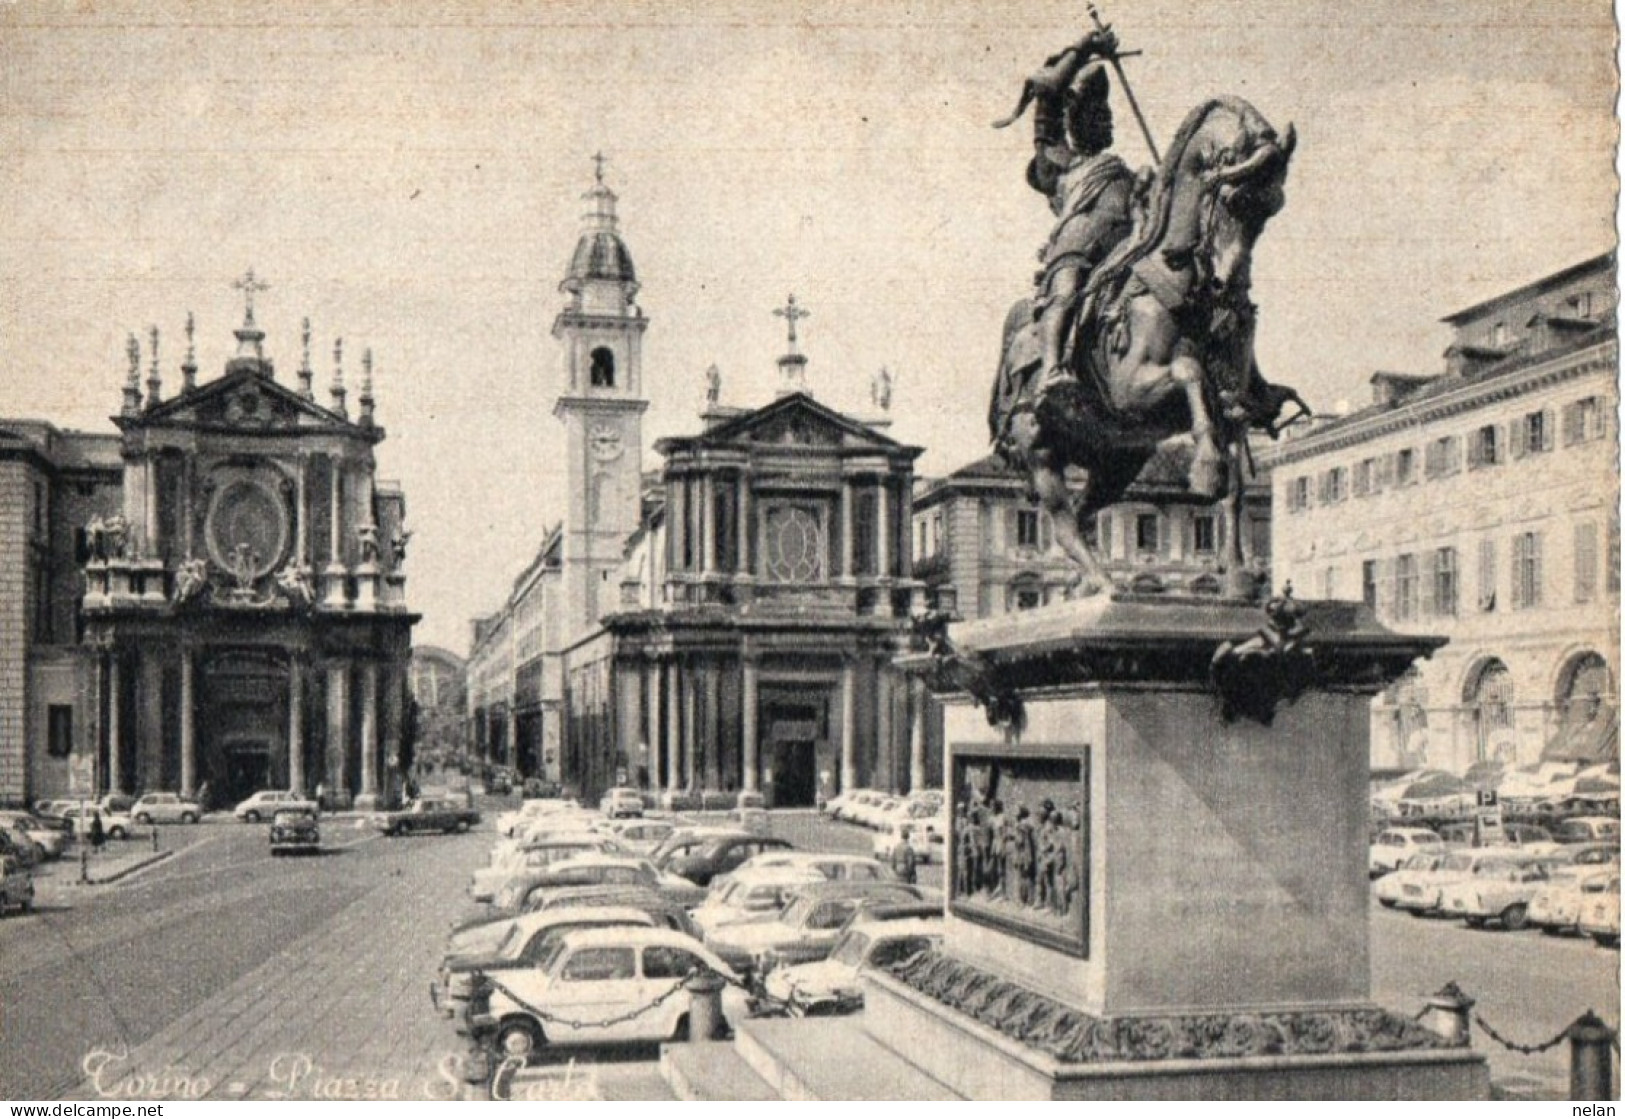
(510, 822)
(48, 842)
(1412, 882)
(1394, 845)
(753, 895)
(621, 802)
(832, 986)
(115, 825)
(1600, 918)
(597, 987)
(166, 808)
(268, 802)
(1555, 908)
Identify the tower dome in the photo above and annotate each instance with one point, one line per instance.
(600, 253)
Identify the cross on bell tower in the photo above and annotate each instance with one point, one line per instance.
(250, 338)
(793, 364)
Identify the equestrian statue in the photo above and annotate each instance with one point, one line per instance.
(1140, 329)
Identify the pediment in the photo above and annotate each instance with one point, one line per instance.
(241, 401)
(798, 420)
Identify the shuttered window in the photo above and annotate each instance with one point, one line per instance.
(1406, 588)
(1526, 573)
(1585, 562)
(1486, 574)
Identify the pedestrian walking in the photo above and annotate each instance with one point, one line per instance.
(98, 834)
(904, 863)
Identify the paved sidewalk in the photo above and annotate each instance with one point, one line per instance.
(341, 1013)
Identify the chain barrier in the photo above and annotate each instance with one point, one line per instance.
(578, 1024)
(1526, 1050)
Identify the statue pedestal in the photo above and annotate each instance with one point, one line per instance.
(366, 586)
(1151, 892)
(333, 578)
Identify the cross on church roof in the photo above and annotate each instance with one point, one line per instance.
(248, 285)
(791, 313)
(598, 161)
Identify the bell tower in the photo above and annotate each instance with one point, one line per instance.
(601, 406)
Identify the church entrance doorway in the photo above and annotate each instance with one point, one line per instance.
(797, 728)
(248, 770)
(242, 721)
(795, 774)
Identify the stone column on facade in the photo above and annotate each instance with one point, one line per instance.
(149, 536)
(334, 575)
(712, 682)
(883, 530)
(691, 743)
(392, 726)
(115, 733)
(848, 547)
(188, 723)
(742, 567)
(651, 719)
(188, 481)
(338, 731)
(749, 728)
(369, 737)
(849, 725)
(916, 736)
(674, 727)
(708, 524)
(149, 738)
(296, 725)
(301, 485)
(885, 755)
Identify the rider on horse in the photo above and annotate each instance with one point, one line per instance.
(1091, 191)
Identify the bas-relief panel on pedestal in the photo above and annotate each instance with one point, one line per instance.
(1019, 842)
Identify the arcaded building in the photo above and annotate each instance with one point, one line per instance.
(213, 599)
(1481, 503)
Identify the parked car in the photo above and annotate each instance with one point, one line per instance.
(832, 985)
(510, 822)
(832, 865)
(639, 835)
(48, 842)
(115, 825)
(16, 846)
(1394, 845)
(519, 942)
(621, 801)
(50, 813)
(295, 830)
(751, 895)
(1587, 829)
(426, 814)
(1555, 908)
(16, 886)
(805, 928)
(598, 870)
(166, 808)
(1496, 890)
(1410, 879)
(1531, 838)
(499, 782)
(595, 976)
(488, 881)
(719, 855)
(1600, 918)
(268, 802)
(1422, 893)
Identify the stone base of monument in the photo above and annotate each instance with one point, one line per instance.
(1157, 877)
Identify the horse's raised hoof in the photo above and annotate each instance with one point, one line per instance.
(1206, 473)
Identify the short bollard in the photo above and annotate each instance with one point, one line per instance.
(1591, 1058)
(705, 1021)
(155, 837)
(1446, 1014)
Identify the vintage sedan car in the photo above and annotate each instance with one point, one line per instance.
(718, 855)
(1414, 876)
(16, 886)
(166, 808)
(621, 801)
(115, 825)
(831, 985)
(805, 928)
(597, 987)
(48, 842)
(268, 802)
(488, 881)
(638, 835)
(1555, 908)
(833, 866)
(751, 895)
(1496, 891)
(427, 814)
(1394, 845)
(1600, 918)
(295, 830)
(1587, 829)
(518, 942)
(510, 822)
(598, 869)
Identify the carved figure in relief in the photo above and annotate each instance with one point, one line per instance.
(294, 581)
(190, 579)
(367, 535)
(398, 543)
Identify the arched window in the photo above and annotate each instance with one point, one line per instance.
(1584, 686)
(1490, 700)
(603, 368)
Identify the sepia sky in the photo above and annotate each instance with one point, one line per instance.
(408, 174)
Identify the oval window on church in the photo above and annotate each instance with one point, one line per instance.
(795, 545)
(247, 528)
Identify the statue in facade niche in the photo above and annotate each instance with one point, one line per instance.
(398, 543)
(1141, 328)
(107, 539)
(294, 581)
(880, 389)
(190, 579)
(368, 536)
(713, 385)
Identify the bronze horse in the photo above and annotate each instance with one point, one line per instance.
(1163, 342)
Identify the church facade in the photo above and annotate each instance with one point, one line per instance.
(725, 622)
(216, 594)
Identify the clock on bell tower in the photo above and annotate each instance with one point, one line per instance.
(601, 406)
